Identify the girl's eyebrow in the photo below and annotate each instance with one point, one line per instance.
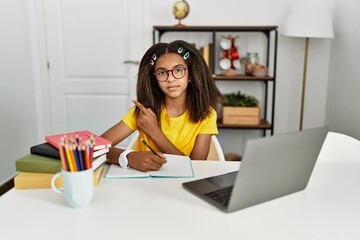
(179, 65)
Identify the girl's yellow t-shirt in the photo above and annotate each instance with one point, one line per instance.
(179, 130)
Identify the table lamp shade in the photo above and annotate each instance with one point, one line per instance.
(309, 18)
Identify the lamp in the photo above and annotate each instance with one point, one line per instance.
(308, 19)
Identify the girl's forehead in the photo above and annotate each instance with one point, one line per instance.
(169, 60)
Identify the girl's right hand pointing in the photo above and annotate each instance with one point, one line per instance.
(146, 120)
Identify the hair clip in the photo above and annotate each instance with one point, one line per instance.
(187, 54)
(152, 61)
(180, 49)
(154, 56)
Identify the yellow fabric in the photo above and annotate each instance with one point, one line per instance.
(179, 130)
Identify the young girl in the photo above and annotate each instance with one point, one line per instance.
(174, 111)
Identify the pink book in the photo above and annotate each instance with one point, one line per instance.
(100, 143)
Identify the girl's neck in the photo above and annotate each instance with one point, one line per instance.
(175, 107)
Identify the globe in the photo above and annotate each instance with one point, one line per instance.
(180, 10)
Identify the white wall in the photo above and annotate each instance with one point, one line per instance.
(343, 110)
(18, 124)
(22, 115)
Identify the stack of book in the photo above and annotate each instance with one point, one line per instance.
(37, 168)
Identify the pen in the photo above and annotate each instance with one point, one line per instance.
(152, 150)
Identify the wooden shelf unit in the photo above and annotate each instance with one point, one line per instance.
(271, 33)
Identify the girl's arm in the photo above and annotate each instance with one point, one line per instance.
(142, 161)
(201, 147)
(116, 134)
(148, 123)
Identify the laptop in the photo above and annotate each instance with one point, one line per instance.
(271, 167)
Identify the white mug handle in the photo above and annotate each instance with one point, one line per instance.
(58, 190)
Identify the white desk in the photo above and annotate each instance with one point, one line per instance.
(161, 209)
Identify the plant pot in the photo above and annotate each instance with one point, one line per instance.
(241, 115)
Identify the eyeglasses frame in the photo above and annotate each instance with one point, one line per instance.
(172, 72)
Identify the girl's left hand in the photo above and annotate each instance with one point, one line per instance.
(147, 120)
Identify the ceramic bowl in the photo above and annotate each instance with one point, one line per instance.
(260, 71)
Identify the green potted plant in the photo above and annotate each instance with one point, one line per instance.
(240, 109)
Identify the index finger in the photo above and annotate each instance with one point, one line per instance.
(161, 155)
(158, 159)
(139, 105)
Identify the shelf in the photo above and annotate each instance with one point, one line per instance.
(241, 78)
(263, 125)
(270, 51)
(214, 28)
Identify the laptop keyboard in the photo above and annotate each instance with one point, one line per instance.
(221, 196)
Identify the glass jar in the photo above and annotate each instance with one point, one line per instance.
(252, 59)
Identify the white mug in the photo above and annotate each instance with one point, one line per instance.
(78, 187)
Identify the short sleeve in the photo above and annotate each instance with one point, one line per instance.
(209, 125)
(129, 119)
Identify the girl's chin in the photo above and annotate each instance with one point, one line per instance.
(174, 94)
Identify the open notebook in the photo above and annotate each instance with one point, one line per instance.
(176, 167)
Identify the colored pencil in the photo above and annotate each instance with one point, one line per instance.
(75, 154)
(68, 156)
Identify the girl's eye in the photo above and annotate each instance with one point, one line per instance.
(160, 73)
(179, 69)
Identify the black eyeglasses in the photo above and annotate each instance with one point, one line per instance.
(163, 75)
